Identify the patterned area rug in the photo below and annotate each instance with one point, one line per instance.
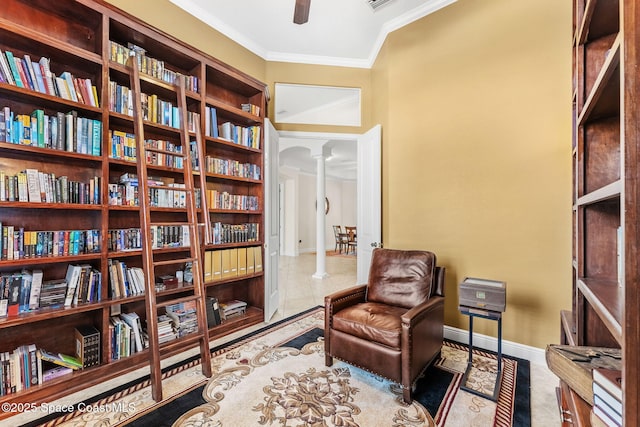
(277, 377)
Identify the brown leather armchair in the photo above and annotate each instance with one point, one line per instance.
(392, 326)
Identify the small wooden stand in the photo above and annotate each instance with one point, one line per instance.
(484, 314)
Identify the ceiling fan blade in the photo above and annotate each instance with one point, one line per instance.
(301, 11)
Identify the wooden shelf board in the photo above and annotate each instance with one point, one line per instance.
(600, 18)
(253, 316)
(232, 145)
(608, 192)
(607, 300)
(607, 76)
(568, 327)
(30, 150)
(233, 178)
(62, 47)
(233, 279)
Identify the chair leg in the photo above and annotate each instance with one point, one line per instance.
(328, 360)
(406, 395)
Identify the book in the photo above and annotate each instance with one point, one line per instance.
(15, 286)
(72, 277)
(87, 339)
(610, 380)
(574, 365)
(36, 287)
(607, 403)
(213, 312)
(14, 70)
(133, 320)
(60, 359)
(6, 70)
(54, 372)
(605, 418)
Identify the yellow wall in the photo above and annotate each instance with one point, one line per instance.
(474, 101)
(477, 153)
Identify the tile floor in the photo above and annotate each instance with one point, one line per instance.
(298, 292)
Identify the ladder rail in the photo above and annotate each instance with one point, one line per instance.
(195, 255)
(145, 226)
(192, 217)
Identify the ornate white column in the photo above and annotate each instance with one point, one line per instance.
(321, 245)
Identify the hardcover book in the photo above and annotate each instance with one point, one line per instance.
(574, 365)
(87, 346)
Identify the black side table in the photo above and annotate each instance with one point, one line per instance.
(484, 314)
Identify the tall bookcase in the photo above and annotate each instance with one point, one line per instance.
(91, 40)
(606, 140)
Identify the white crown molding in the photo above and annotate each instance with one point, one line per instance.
(275, 56)
(206, 17)
(402, 20)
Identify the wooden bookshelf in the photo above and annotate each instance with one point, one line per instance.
(606, 140)
(81, 37)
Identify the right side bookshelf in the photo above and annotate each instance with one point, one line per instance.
(606, 130)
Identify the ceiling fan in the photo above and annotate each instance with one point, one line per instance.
(301, 11)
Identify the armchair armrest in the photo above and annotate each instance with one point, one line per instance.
(422, 312)
(422, 336)
(344, 298)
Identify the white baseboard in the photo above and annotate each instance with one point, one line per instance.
(532, 354)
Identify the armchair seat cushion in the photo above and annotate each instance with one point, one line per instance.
(372, 321)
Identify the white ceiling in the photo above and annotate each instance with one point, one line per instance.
(339, 32)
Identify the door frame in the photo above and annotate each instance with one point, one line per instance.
(324, 137)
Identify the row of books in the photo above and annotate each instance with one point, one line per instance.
(234, 262)
(148, 65)
(166, 331)
(211, 122)
(607, 398)
(34, 186)
(223, 200)
(241, 135)
(232, 168)
(84, 284)
(124, 239)
(128, 195)
(218, 312)
(154, 109)
(15, 292)
(37, 76)
(18, 243)
(58, 131)
(125, 281)
(126, 336)
(184, 317)
(234, 233)
(25, 291)
(232, 308)
(158, 158)
(123, 147)
(169, 236)
(27, 366)
(250, 108)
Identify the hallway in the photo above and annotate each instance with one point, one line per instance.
(299, 291)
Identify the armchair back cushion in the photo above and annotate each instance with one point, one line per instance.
(401, 278)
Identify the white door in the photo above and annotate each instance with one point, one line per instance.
(369, 190)
(272, 229)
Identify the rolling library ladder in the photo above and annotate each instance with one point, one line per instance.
(149, 262)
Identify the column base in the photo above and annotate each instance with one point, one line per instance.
(320, 275)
